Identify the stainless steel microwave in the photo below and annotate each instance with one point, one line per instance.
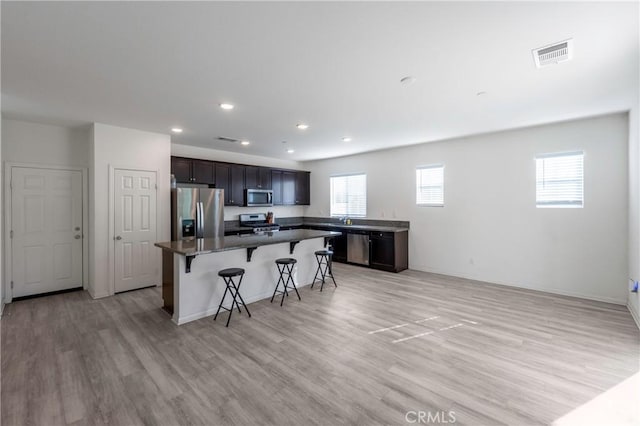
(258, 197)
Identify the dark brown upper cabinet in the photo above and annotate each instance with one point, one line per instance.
(230, 177)
(290, 187)
(187, 170)
(237, 185)
(203, 172)
(276, 185)
(181, 169)
(303, 191)
(257, 177)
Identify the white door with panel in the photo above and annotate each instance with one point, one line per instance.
(46, 230)
(136, 258)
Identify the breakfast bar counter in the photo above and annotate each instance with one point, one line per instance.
(191, 288)
(234, 242)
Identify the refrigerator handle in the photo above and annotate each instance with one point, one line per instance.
(199, 221)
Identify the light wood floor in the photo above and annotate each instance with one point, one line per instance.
(513, 356)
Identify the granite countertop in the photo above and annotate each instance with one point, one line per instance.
(359, 227)
(332, 225)
(235, 242)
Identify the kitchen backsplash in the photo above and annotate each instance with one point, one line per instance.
(233, 213)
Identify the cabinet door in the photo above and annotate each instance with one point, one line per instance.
(237, 185)
(382, 254)
(288, 188)
(264, 178)
(276, 185)
(203, 172)
(251, 177)
(302, 188)
(339, 246)
(222, 173)
(181, 169)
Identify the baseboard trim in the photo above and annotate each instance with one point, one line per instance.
(99, 296)
(542, 290)
(634, 315)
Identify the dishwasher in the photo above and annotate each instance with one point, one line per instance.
(358, 247)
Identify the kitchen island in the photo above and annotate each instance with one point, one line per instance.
(191, 288)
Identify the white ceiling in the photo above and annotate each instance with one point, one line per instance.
(333, 65)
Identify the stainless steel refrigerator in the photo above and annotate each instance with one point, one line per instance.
(197, 212)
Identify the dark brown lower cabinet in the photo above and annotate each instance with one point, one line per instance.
(339, 245)
(388, 251)
(382, 250)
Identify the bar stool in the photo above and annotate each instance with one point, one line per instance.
(324, 258)
(285, 267)
(234, 291)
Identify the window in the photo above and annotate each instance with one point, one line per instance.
(430, 185)
(349, 195)
(559, 180)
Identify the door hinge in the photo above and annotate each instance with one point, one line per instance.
(11, 285)
(11, 234)
(156, 186)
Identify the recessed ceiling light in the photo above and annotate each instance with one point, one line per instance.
(408, 80)
(226, 106)
(176, 130)
(302, 126)
(290, 151)
(244, 142)
(346, 139)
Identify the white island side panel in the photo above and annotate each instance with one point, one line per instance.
(197, 294)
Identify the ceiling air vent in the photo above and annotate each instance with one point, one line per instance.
(553, 53)
(230, 140)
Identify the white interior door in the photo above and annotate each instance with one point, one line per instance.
(46, 228)
(136, 260)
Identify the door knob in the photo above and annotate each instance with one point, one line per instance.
(77, 237)
(118, 238)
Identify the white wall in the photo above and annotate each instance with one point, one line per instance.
(42, 144)
(122, 148)
(634, 209)
(232, 213)
(2, 283)
(26, 142)
(490, 229)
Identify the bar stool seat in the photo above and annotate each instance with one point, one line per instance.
(231, 272)
(324, 259)
(233, 289)
(285, 267)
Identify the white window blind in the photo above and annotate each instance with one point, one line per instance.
(349, 195)
(430, 185)
(560, 180)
